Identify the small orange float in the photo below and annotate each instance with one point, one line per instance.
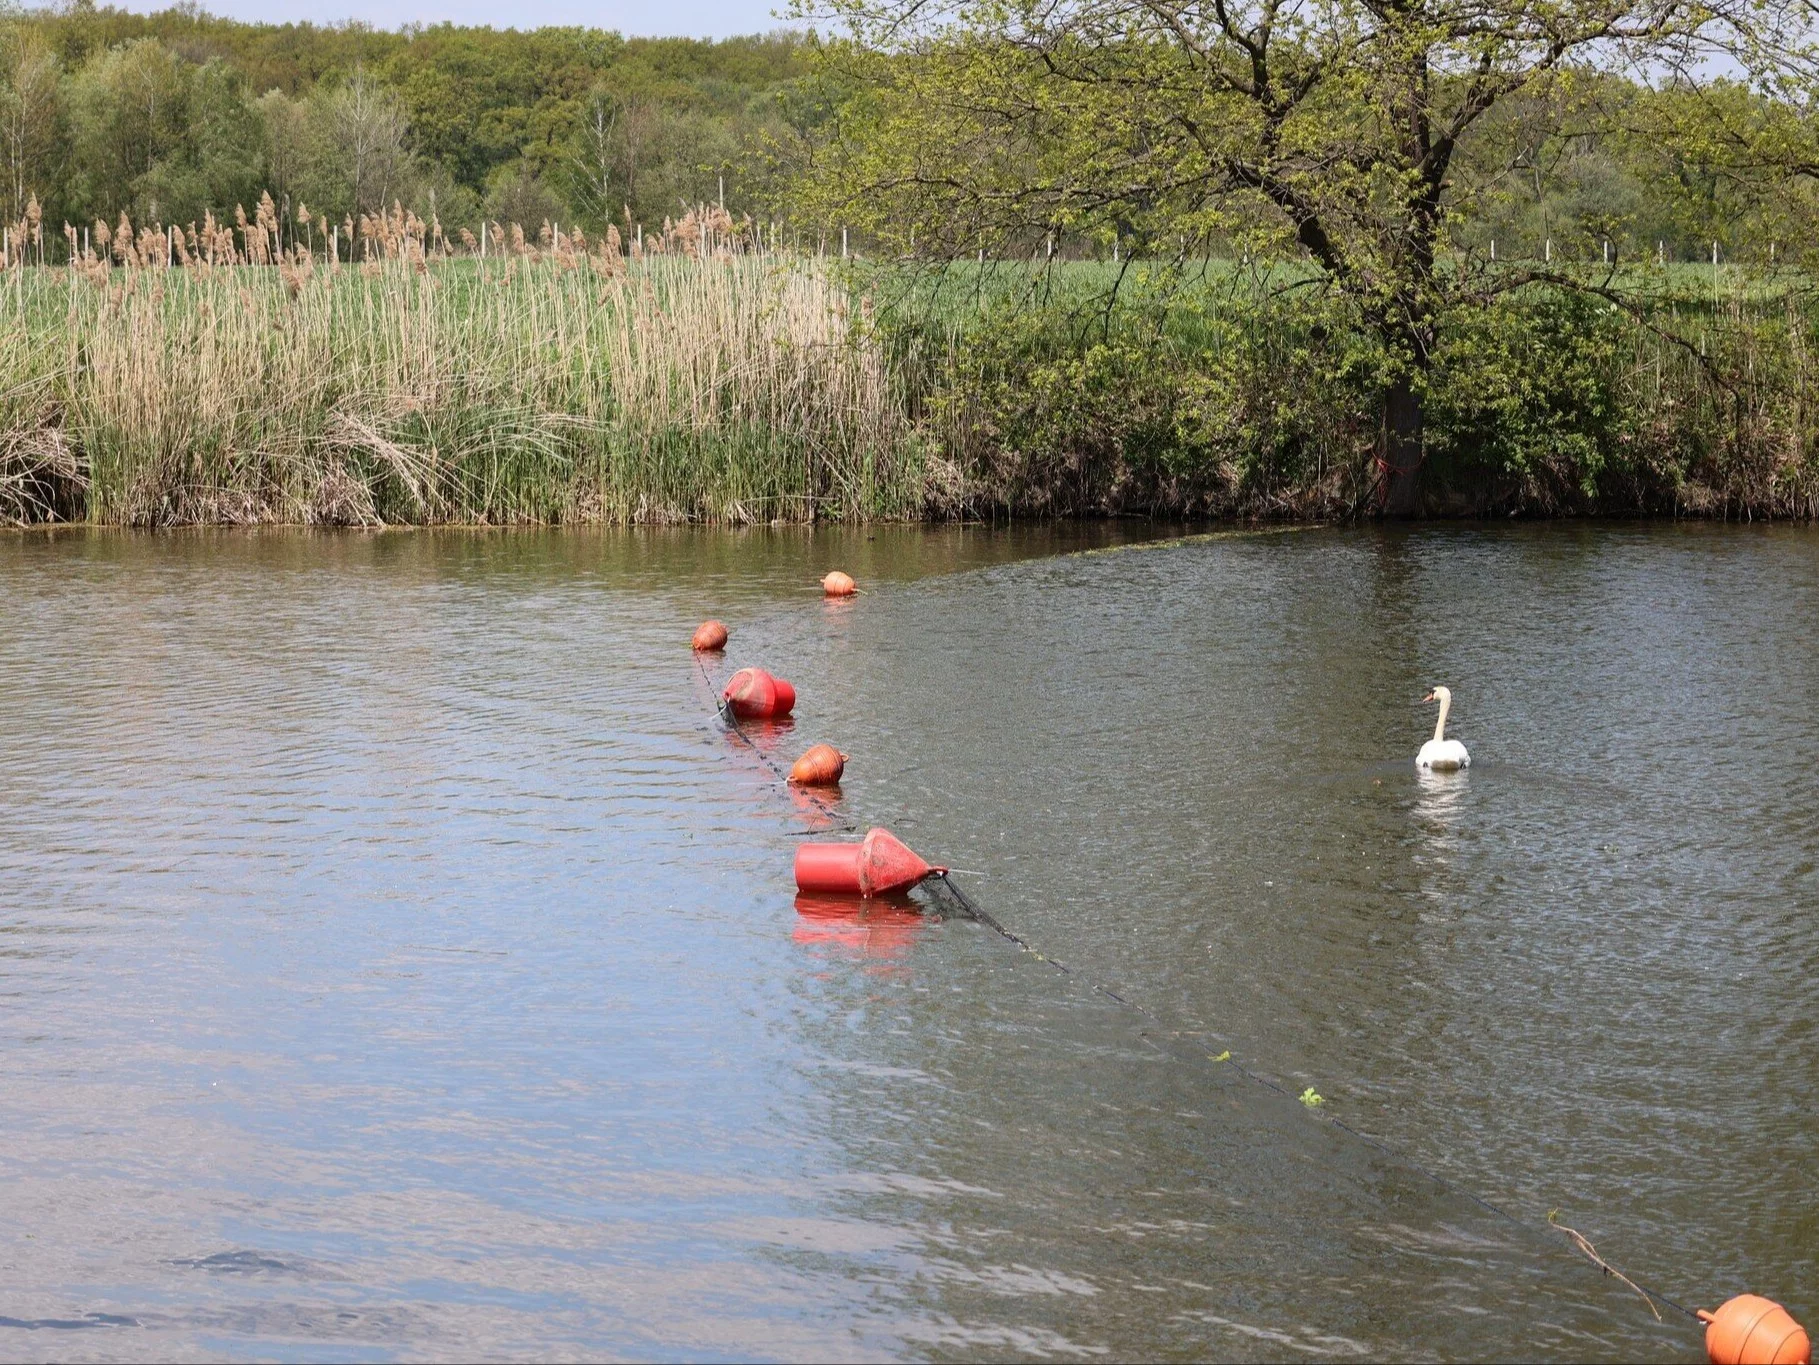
(754, 694)
(837, 584)
(1752, 1330)
(879, 864)
(821, 766)
(710, 635)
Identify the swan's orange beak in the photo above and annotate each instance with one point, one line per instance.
(1428, 697)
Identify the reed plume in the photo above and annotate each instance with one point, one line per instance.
(560, 384)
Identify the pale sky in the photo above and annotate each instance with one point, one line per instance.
(672, 19)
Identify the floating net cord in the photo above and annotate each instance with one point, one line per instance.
(725, 709)
(971, 909)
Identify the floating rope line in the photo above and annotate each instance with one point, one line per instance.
(1195, 538)
(731, 721)
(971, 909)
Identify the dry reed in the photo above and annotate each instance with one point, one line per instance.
(218, 373)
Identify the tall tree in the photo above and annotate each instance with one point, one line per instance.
(615, 141)
(362, 129)
(30, 117)
(129, 111)
(1326, 132)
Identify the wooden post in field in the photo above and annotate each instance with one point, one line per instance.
(1547, 249)
(843, 241)
(334, 243)
(1607, 250)
(1493, 248)
(723, 194)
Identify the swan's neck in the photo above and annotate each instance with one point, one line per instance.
(1446, 704)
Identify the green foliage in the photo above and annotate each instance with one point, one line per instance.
(1364, 145)
(1528, 387)
(1238, 394)
(179, 113)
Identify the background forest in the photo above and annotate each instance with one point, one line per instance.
(169, 116)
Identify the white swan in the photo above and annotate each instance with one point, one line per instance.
(1440, 753)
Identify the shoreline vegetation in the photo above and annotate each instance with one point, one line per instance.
(209, 375)
(973, 262)
(240, 373)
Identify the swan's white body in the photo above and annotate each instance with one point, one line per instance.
(1440, 753)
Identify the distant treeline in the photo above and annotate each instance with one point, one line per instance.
(169, 116)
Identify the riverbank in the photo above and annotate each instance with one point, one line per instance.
(1215, 390)
(546, 387)
(566, 385)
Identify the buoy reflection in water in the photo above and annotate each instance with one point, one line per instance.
(872, 928)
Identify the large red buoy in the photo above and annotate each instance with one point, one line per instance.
(878, 864)
(837, 584)
(710, 635)
(754, 694)
(821, 766)
(1752, 1330)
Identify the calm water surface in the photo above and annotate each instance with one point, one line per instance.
(397, 959)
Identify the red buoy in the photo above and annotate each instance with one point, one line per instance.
(710, 635)
(1752, 1330)
(878, 864)
(754, 694)
(837, 584)
(821, 766)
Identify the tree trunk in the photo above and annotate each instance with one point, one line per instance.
(1401, 450)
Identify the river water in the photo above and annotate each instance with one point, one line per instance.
(398, 959)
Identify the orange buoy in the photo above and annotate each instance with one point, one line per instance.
(821, 766)
(754, 694)
(878, 864)
(1752, 1330)
(838, 584)
(710, 635)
